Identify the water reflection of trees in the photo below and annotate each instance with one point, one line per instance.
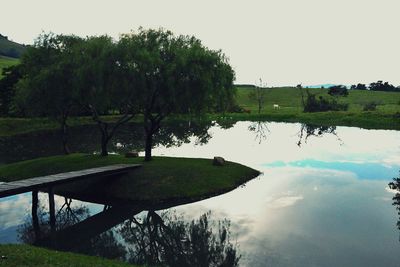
(395, 185)
(260, 128)
(118, 233)
(172, 241)
(308, 130)
(176, 133)
(83, 139)
(104, 244)
(35, 228)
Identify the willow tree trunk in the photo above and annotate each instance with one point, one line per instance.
(65, 138)
(148, 146)
(104, 141)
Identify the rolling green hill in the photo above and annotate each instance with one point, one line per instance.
(9, 48)
(6, 62)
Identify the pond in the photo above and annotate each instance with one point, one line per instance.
(322, 200)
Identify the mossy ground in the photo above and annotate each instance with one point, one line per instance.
(29, 256)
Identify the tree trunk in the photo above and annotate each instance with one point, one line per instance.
(64, 134)
(148, 146)
(65, 139)
(104, 143)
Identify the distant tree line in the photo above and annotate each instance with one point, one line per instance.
(376, 86)
(153, 73)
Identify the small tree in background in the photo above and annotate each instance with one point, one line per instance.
(382, 86)
(258, 95)
(359, 86)
(321, 104)
(338, 90)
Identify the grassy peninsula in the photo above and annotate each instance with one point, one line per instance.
(160, 180)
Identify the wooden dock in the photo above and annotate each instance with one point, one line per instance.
(46, 182)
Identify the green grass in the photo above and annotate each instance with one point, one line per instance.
(289, 100)
(161, 179)
(6, 62)
(29, 256)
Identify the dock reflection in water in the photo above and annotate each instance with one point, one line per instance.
(133, 233)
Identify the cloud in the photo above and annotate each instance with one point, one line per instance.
(14, 209)
(365, 170)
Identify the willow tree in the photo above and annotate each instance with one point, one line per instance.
(175, 75)
(104, 86)
(46, 87)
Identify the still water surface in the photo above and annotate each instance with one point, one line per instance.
(322, 200)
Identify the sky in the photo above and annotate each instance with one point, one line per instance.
(283, 42)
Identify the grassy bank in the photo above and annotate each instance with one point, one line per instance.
(29, 256)
(386, 116)
(162, 179)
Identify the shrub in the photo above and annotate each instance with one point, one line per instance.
(370, 106)
(338, 90)
(236, 109)
(396, 115)
(313, 104)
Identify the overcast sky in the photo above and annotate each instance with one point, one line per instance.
(284, 42)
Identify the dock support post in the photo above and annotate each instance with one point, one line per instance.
(52, 210)
(35, 219)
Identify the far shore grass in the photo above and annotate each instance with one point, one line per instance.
(30, 256)
(158, 181)
(386, 116)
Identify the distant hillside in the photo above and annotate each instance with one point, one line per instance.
(6, 62)
(325, 85)
(9, 48)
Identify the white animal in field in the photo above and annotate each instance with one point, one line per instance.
(276, 106)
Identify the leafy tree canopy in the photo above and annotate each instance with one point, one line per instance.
(338, 90)
(382, 86)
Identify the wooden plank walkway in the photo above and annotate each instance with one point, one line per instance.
(37, 183)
